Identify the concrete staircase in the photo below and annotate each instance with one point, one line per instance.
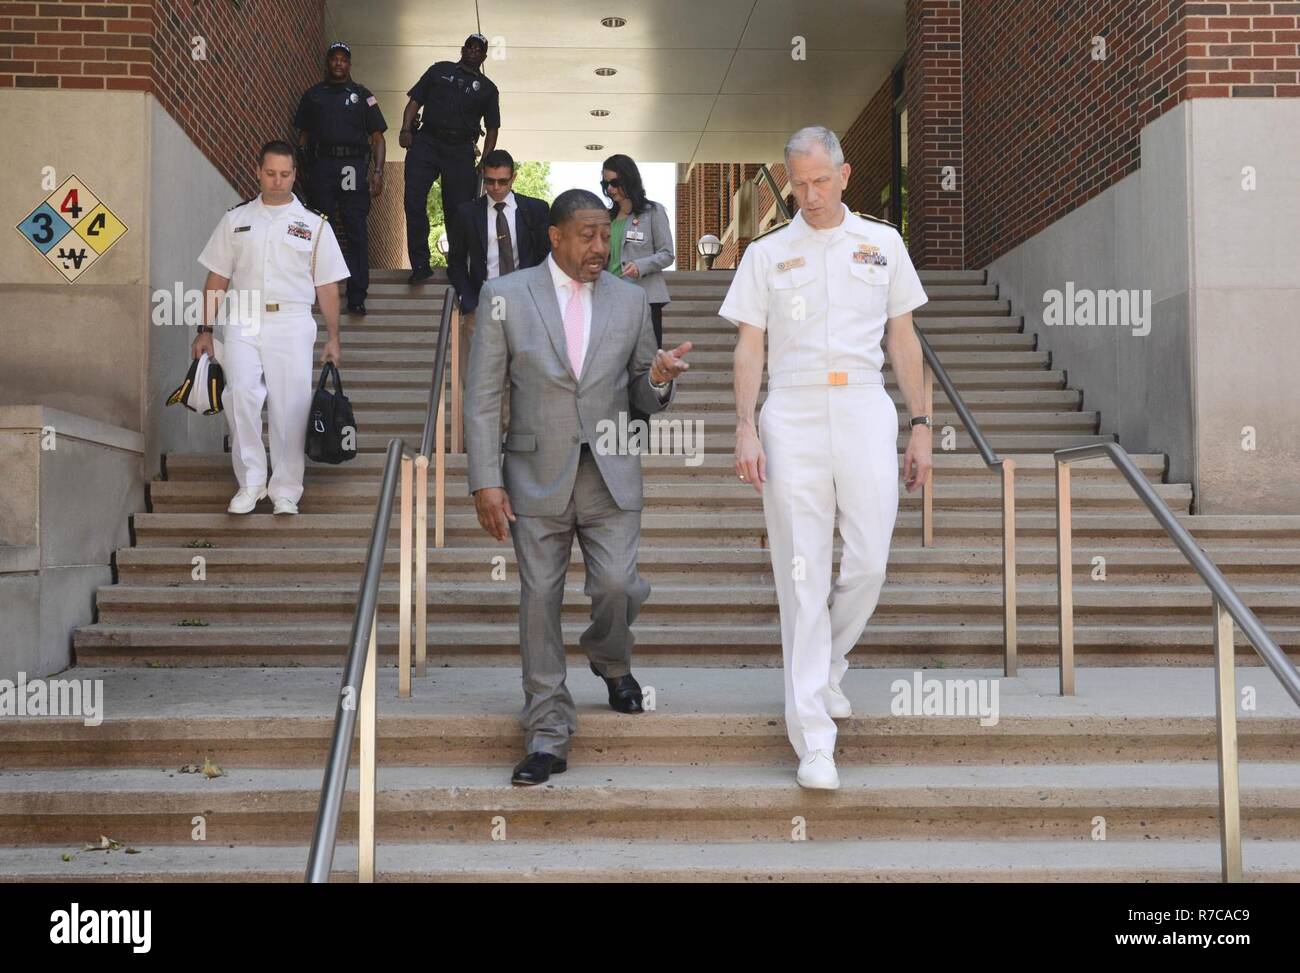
(703, 786)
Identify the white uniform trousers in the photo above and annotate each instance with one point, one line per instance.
(270, 365)
(830, 449)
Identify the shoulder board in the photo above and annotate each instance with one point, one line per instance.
(244, 203)
(316, 211)
(780, 226)
(874, 219)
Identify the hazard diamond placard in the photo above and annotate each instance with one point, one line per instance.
(72, 228)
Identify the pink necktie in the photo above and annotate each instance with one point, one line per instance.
(573, 326)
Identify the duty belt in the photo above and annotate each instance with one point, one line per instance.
(343, 151)
(453, 135)
(860, 376)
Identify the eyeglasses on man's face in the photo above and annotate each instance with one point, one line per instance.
(489, 181)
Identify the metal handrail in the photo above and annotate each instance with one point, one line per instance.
(1227, 607)
(1007, 469)
(781, 208)
(358, 692)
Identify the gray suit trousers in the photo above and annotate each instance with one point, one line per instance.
(609, 538)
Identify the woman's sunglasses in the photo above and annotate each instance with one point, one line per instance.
(608, 184)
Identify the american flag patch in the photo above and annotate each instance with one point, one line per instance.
(371, 101)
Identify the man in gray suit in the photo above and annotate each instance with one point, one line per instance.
(574, 348)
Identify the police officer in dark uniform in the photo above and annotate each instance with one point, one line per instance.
(455, 97)
(340, 129)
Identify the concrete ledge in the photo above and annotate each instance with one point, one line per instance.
(69, 425)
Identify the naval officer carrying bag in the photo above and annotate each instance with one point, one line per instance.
(331, 428)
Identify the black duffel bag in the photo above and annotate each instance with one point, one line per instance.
(331, 427)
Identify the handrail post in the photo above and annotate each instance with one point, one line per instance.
(366, 782)
(1064, 578)
(457, 445)
(927, 487)
(1009, 635)
(1225, 718)
(421, 563)
(404, 585)
(439, 477)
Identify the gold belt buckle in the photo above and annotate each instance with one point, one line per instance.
(837, 378)
(273, 307)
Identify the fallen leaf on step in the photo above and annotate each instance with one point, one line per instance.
(211, 770)
(105, 844)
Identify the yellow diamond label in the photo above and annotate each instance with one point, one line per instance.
(100, 228)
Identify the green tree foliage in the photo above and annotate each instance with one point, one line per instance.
(531, 179)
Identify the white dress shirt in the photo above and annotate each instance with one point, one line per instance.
(493, 250)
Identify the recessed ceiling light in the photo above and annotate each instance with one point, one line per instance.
(593, 147)
(613, 21)
(607, 72)
(600, 112)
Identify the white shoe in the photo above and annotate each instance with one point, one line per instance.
(283, 505)
(837, 704)
(817, 771)
(244, 501)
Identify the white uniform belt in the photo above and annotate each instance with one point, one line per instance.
(853, 376)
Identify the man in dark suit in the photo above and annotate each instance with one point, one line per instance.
(496, 233)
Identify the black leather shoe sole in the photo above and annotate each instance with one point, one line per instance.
(419, 276)
(357, 309)
(626, 703)
(521, 780)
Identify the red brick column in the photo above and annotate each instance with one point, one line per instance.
(933, 81)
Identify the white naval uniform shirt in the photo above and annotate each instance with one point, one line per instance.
(823, 296)
(493, 247)
(268, 249)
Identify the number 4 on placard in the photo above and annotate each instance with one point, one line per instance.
(70, 205)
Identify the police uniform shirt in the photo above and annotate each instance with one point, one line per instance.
(823, 296)
(339, 114)
(269, 249)
(455, 98)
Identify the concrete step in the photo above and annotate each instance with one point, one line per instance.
(677, 327)
(358, 496)
(741, 529)
(284, 717)
(966, 377)
(1193, 860)
(954, 643)
(270, 566)
(1030, 467)
(674, 803)
(751, 603)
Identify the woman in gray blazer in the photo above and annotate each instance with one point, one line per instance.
(640, 241)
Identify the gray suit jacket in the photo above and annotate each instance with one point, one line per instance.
(519, 349)
(652, 253)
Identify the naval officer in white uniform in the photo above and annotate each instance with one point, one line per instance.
(826, 287)
(274, 256)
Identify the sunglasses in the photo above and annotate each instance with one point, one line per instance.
(610, 184)
(487, 181)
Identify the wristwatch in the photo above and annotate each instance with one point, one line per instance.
(658, 386)
(922, 421)
(204, 329)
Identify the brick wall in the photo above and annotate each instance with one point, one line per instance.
(258, 60)
(867, 144)
(1052, 117)
(1242, 50)
(387, 222)
(933, 92)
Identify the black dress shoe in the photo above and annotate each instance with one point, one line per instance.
(419, 274)
(357, 309)
(537, 768)
(624, 692)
